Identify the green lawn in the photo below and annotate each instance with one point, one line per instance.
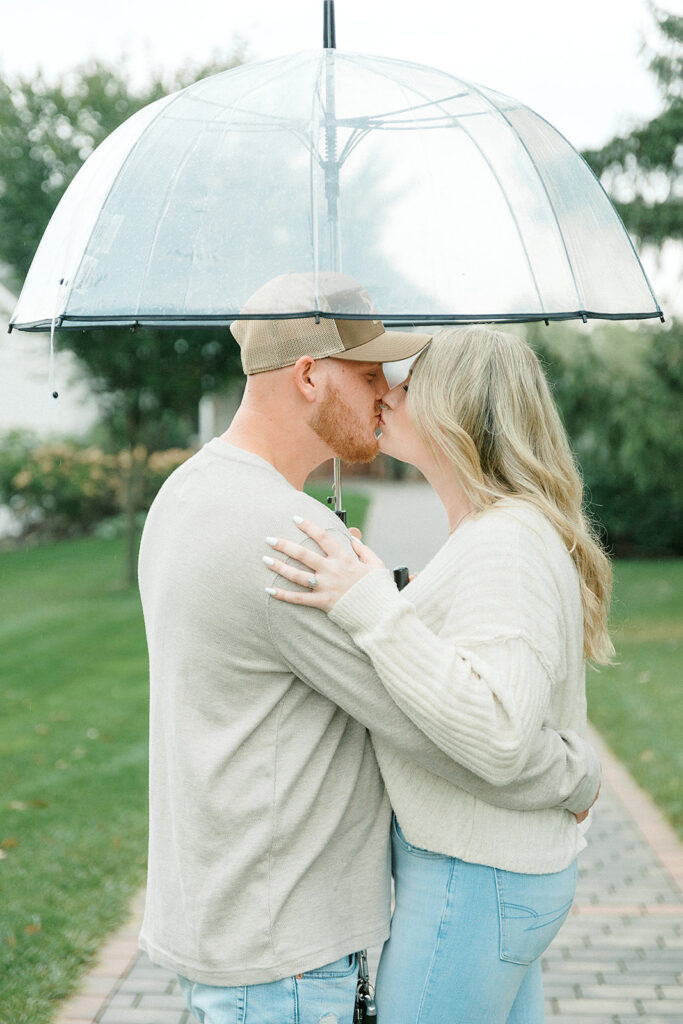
(73, 765)
(637, 704)
(73, 724)
(355, 504)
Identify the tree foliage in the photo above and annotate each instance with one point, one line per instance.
(47, 130)
(620, 394)
(150, 380)
(643, 169)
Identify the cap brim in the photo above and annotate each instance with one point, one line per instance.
(389, 347)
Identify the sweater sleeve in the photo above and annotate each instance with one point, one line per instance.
(562, 770)
(481, 688)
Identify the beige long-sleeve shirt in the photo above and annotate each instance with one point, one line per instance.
(269, 819)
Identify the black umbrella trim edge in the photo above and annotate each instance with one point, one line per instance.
(67, 322)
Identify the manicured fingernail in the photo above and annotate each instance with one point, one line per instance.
(298, 519)
(270, 590)
(272, 541)
(268, 560)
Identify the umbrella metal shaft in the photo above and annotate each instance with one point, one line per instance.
(332, 190)
(329, 38)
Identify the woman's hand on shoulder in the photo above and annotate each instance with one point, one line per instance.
(330, 573)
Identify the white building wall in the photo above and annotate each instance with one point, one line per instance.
(25, 397)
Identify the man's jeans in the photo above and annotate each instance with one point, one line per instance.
(323, 996)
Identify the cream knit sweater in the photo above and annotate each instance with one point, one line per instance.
(496, 653)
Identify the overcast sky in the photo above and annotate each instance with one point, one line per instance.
(577, 63)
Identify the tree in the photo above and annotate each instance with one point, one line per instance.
(144, 378)
(643, 170)
(620, 394)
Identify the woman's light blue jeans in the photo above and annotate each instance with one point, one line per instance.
(325, 995)
(466, 940)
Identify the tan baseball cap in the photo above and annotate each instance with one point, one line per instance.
(272, 344)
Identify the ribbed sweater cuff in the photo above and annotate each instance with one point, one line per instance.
(584, 794)
(366, 602)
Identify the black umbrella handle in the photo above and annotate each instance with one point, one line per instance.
(401, 576)
(329, 35)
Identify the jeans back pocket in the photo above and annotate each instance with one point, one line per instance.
(531, 910)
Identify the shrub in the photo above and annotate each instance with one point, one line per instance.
(63, 488)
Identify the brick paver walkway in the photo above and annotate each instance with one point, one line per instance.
(617, 960)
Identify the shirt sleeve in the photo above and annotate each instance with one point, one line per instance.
(561, 770)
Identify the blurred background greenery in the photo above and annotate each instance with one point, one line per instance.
(72, 649)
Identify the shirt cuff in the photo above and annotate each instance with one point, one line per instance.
(366, 602)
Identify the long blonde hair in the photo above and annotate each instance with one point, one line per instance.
(481, 398)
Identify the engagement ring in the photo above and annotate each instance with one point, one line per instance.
(312, 582)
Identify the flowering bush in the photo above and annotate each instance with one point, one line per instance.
(63, 488)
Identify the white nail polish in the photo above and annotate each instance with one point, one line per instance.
(297, 519)
(272, 541)
(270, 590)
(268, 560)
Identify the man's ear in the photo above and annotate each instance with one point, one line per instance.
(308, 374)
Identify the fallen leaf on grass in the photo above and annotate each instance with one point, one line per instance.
(39, 803)
(9, 843)
(33, 929)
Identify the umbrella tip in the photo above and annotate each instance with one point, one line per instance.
(329, 35)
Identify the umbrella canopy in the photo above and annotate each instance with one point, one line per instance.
(450, 202)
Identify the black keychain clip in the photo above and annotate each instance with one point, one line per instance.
(365, 1010)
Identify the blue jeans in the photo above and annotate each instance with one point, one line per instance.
(466, 940)
(322, 996)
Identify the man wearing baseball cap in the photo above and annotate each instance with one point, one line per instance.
(269, 822)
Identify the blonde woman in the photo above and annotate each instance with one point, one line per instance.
(517, 603)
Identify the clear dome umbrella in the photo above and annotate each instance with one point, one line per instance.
(450, 202)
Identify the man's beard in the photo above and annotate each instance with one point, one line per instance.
(340, 427)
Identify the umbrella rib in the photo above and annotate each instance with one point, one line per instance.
(352, 142)
(171, 100)
(510, 207)
(192, 149)
(614, 210)
(315, 157)
(540, 177)
(502, 192)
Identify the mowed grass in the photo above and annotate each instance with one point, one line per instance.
(637, 704)
(73, 723)
(356, 505)
(73, 763)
